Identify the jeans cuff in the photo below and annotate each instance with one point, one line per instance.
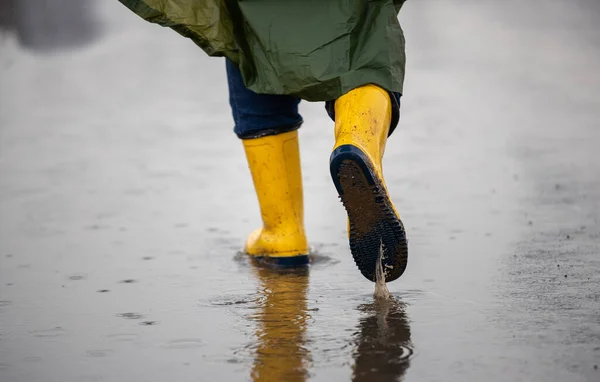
(270, 131)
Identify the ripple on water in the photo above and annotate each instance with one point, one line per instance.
(236, 306)
(190, 343)
(122, 337)
(318, 260)
(49, 333)
(231, 300)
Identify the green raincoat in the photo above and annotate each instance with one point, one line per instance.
(316, 50)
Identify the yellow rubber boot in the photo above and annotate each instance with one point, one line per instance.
(362, 123)
(274, 162)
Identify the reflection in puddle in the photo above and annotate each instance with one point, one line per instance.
(383, 346)
(281, 354)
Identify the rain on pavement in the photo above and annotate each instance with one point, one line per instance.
(125, 199)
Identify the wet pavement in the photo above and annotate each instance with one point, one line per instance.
(125, 198)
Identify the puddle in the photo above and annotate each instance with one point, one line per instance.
(317, 260)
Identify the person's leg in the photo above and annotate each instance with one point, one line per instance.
(267, 126)
(364, 118)
(259, 115)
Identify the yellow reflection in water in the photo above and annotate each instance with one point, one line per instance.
(282, 318)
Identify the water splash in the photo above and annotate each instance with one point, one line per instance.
(381, 291)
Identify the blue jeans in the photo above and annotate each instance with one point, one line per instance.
(259, 115)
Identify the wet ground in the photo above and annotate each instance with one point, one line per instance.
(125, 198)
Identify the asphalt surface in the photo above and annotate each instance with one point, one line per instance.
(125, 199)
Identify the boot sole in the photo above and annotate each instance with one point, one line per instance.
(373, 222)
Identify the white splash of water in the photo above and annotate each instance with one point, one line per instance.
(381, 291)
